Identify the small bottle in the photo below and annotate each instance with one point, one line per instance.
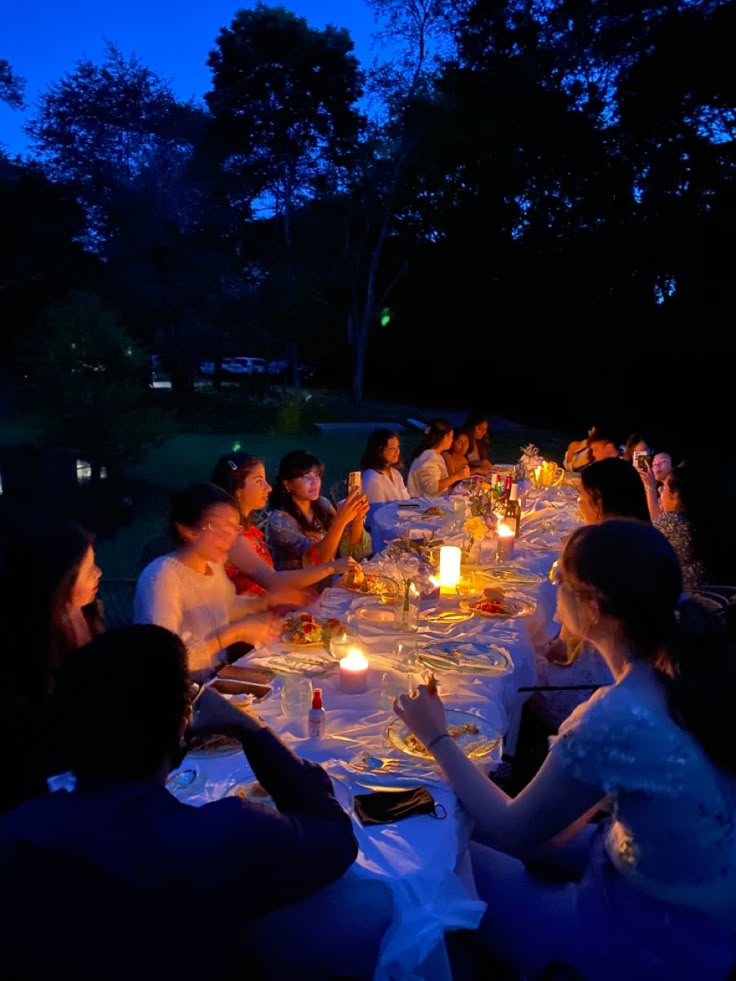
(316, 716)
(512, 514)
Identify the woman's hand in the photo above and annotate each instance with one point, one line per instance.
(354, 506)
(423, 712)
(462, 474)
(261, 628)
(348, 564)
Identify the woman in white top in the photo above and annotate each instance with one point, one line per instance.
(651, 891)
(428, 475)
(382, 480)
(188, 590)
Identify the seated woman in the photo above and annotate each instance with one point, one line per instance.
(250, 564)
(428, 476)
(608, 489)
(380, 463)
(456, 457)
(635, 444)
(50, 608)
(652, 889)
(476, 429)
(304, 529)
(189, 592)
(686, 519)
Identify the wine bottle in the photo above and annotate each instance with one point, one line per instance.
(512, 514)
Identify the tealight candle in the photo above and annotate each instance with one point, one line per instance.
(505, 543)
(353, 672)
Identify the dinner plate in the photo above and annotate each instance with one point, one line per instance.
(386, 592)
(319, 641)
(517, 577)
(519, 605)
(436, 614)
(294, 662)
(475, 744)
(375, 614)
(550, 542)
(253, 792)
(466, 658)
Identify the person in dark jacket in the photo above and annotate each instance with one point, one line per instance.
(215, 868)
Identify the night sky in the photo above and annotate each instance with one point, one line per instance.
(44, 39)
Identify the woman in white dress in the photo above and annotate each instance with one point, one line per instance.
(428, 476)
(380, 463)
(649, 892)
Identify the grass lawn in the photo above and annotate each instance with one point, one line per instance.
(191, 456)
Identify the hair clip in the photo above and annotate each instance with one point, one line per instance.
(232, 464)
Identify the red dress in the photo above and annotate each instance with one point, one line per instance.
(243, 583)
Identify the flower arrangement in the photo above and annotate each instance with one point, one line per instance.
(529, 460)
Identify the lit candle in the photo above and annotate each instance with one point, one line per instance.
(505, 543)
(449, 577)
(353, 672)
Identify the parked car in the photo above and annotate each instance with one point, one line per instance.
(236, 366)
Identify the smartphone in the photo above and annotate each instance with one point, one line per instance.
(639, 457)
(355, 481)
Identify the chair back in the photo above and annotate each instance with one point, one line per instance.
(117, 602)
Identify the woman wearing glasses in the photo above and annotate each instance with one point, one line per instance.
(649, 892)
(189, 592)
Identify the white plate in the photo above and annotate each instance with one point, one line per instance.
(298, 663)
(467, 658)
(474, 744)
(376, 614)
(436, 614)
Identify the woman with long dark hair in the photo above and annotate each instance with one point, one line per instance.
(50, 608)
(380, 465)
(250, 564)
(428, 476)
(304, 529)
(651, 891)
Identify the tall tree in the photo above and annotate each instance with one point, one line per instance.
(11, 86)
(283, 103)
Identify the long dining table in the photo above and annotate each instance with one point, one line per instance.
(422, 859)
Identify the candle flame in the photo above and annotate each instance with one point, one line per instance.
(504, 531)
(354, 661)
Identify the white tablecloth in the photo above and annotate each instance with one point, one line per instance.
(418, 857)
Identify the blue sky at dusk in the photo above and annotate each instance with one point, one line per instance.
(44, 39)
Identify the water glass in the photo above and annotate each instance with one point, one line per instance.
(296, 696)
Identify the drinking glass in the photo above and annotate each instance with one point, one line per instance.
(406, 608)
(296, 696)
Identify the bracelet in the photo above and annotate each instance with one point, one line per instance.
(442, 735)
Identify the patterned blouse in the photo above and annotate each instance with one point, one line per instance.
(243, 583)
(677, 530)
(294, 548)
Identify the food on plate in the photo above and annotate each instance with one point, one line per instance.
(358, 582)
(414, 745)
(493, 603)
(432, 512)
(304, 628)
(254, 793)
